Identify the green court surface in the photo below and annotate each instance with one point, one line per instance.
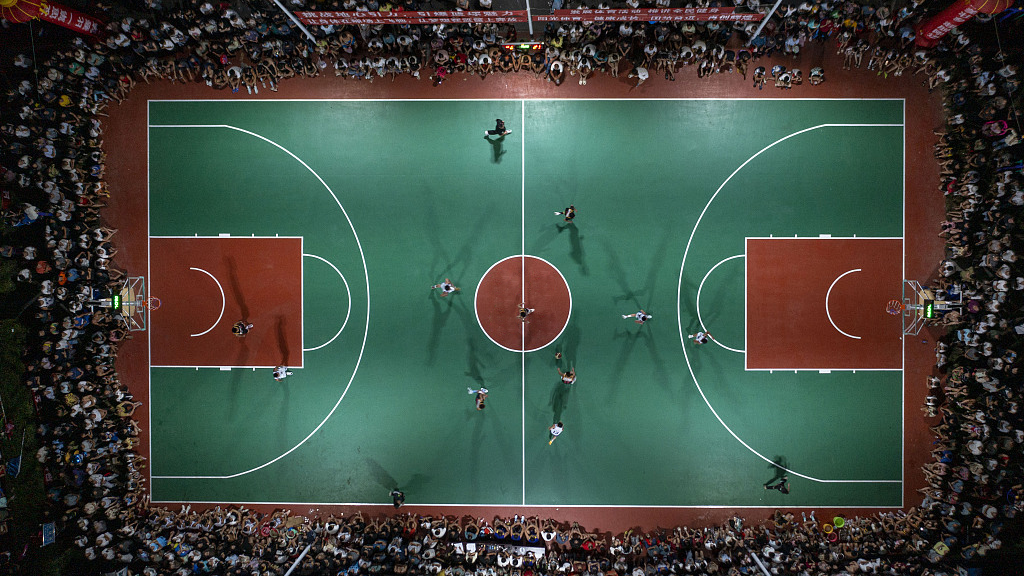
(399, 195)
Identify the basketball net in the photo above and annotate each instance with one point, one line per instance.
(894, 307)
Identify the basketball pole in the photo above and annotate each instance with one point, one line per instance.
(754, 556)
(529, 18)
(304, 30)
(763, 21)
(298, 560)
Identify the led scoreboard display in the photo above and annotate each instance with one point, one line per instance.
(523, 46)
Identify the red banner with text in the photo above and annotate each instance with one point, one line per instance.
(652, 15)
(319, 18)
(69, 18)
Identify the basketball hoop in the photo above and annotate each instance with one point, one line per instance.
(153, 303)
(894, 307)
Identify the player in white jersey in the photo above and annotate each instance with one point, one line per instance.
(281, 372)
(554, 431)
(640, 316)
(700, 337)
(446, 287)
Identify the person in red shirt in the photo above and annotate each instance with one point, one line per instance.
(825, 30)
(440, 75)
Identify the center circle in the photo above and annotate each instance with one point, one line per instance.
(529, 280)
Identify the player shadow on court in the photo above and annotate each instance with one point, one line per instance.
(694, 326)
(619, 274)
(778, 466)
(559, 398)
(415, 483)
(542, 236)
(631, 336)
(282, 341)
(658, 366)
(284, 415)
(235, 386)
(473, 362)
(236, 286)
(575, 246)
(569, 345)
(380, 475)
(385, 480)
(444, 264)
(476, 358)
(688, 305)
(497, 148)
(657, 262)
(472, 455)
(442, 311)
(442, 259)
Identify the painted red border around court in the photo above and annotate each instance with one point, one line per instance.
(126, 127)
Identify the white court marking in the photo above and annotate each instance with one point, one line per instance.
(348, 294)
(679, 307)
(701, 287)
(223, 301)
(828, 313)
(366, 329)
(522, 253)
(681, 273)
(476, 309)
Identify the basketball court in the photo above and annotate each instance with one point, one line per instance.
(776, 225)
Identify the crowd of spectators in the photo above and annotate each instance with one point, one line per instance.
(226, 49)
(975, 479)
(234, 48)
(53, 167)
(237, 541)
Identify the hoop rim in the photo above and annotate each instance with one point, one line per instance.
(152, 303)
(895, 306)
